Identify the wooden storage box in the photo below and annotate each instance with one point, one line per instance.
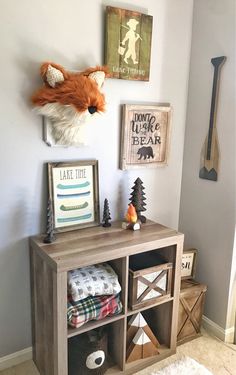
(191, 305)
(148, 284)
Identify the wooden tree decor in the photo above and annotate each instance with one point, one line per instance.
(137, 321)
(141, 342)
(137, 199)
(50, 224)
(106, 214)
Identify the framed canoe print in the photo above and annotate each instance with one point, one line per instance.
(73, 189)
(145, 136)
(128, 44)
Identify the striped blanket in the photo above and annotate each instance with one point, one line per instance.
(92, 308)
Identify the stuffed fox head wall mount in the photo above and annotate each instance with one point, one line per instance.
(69, 100)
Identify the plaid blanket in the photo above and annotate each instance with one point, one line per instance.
(92, 308)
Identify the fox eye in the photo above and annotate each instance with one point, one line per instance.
(92, 109)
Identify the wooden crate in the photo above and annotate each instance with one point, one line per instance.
(191, 305)
(148, 285)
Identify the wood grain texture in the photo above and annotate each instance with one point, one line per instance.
(128, 38)
(121, 268)
(210, 151)
(176, 291)
(117, 343)
(93, 245)
(192, 298)
(49, 266)
(145, 135)
(42, 318)
(60, 323)
(137, 277)
(33, 290)
(48, 318)
(93, 325)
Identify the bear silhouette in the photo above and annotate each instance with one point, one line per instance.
(145, 152)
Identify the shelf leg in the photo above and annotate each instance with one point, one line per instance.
(60, 323)
(175, 310)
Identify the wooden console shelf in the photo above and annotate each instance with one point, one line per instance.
(49, 266)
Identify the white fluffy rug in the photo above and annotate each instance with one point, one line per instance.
(184, 366)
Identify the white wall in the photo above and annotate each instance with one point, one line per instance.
(231, 312)
(207, 214)
(71, 33)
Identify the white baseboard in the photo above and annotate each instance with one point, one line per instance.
(15, 358)
(226, 335)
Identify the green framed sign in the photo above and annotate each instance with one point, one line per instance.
(128, 44)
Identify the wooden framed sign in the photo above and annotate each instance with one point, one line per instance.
(145, 135)
(188, 267)
(128, 44)
(73, 189)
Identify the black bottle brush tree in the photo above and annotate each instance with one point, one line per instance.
(137, 199)
(50, 237)
(106, 214)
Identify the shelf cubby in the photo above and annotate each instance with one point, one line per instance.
(115, 332)
(159, 319)
(49, 266)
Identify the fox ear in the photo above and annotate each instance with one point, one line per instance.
(52, 74)
(98, 77)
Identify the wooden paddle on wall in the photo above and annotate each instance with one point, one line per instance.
(210, 150)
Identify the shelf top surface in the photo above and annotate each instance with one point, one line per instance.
(98, 244)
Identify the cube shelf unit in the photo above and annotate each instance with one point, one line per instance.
(49, 266)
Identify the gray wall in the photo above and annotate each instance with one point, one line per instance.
(71, 33)
(207, 214)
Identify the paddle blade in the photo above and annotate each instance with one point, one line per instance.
(209, 166)
(208, 175)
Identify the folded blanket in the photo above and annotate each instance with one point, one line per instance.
(96, 280)
(92, 308)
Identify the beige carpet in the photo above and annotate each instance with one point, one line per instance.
(218, 357)
(185, 366)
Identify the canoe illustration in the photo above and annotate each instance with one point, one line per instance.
(76, 195)
(74, 186)
(76, 218)
(72, 208)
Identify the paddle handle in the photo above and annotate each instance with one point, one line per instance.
(217, 62)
